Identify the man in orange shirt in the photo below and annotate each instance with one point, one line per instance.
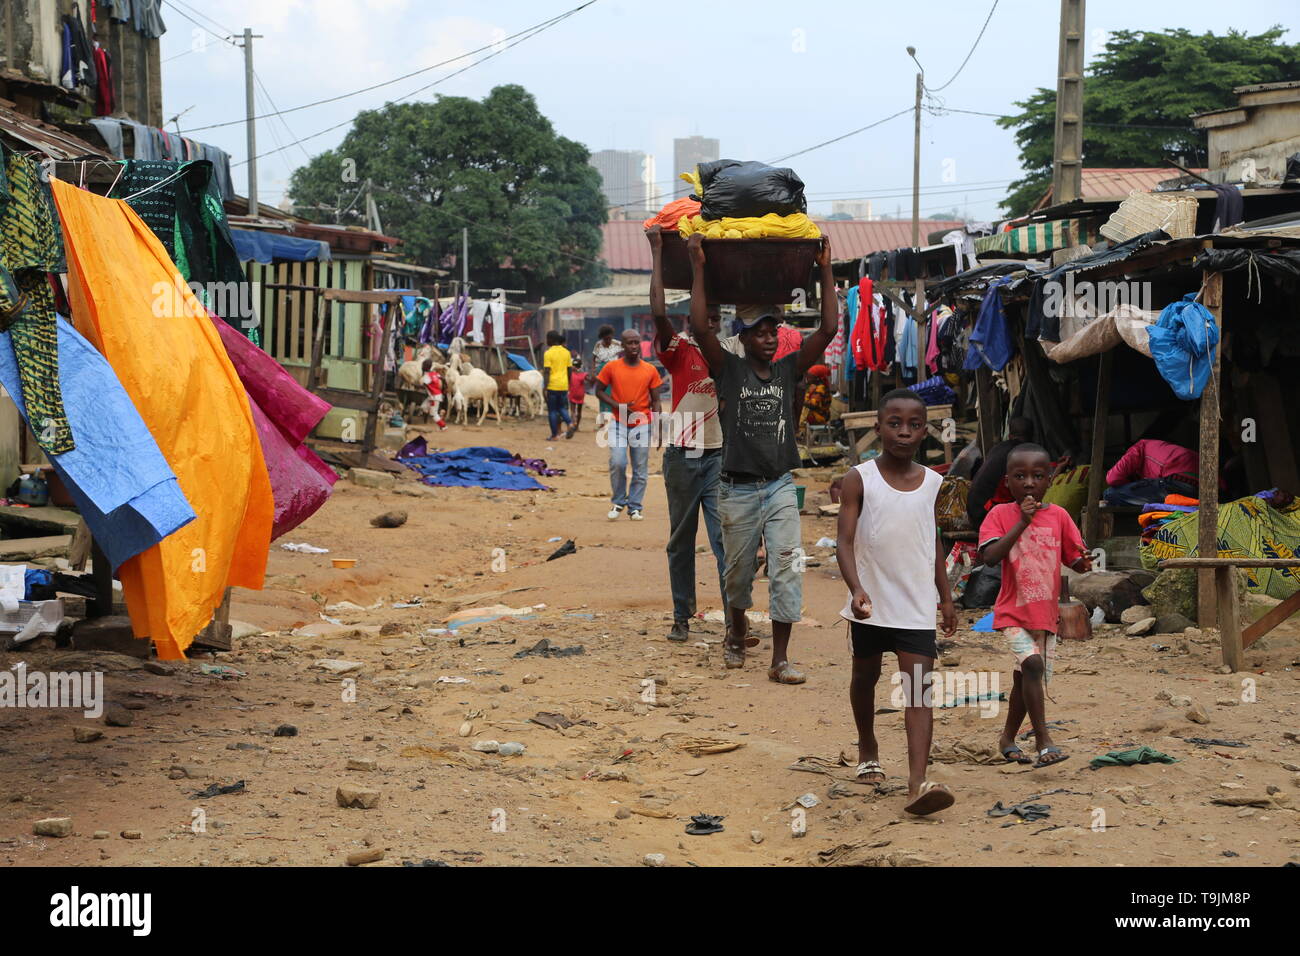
(631, 385)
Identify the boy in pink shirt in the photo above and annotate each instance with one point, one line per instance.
(1031, 540)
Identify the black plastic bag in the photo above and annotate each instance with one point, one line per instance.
(982, 587)
(733, 188)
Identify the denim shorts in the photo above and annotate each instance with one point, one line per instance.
(759, 512)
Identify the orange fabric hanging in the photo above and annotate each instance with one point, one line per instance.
(128, 299)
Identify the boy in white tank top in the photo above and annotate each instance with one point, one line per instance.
(887, 552)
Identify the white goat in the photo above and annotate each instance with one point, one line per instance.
(469, 387)
(528, 389)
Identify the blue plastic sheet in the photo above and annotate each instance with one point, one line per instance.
(520, 362)
(477, 467)
(264, 247)
(120, 481)
(1183, 341)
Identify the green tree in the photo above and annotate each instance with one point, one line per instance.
(530, 199)
(1137, 99)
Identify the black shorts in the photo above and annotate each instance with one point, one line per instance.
(870, 640)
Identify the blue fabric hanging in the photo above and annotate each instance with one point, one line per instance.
(1183, 343)
(990, 340)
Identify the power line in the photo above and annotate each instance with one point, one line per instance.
(972, 49)
(936, 110)
(853, 132)
(225, 39)
(283, 122)
(200, 13)
(525, 35)
(533, 30)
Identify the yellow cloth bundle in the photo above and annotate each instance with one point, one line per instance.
(693, 177)
(794, 226)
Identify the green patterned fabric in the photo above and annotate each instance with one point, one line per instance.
(31, 245)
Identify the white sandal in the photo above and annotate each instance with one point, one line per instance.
(870, 766)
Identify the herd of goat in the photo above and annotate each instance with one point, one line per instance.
(464, 386)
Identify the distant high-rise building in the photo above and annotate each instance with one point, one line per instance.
(627, 178)
(854, 208)
(689, 153)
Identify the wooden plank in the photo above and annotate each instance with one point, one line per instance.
(277, 308)
(79, 550)
(1096, 470)
(358, 296)
(101, 574)
(217, 634)
(311, 276)
(295, 318)
(14, 550)
(1225, 586)
(1272, 619)
(1207, 537)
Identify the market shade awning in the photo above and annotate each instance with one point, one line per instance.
(1038, 237)
(264, 247)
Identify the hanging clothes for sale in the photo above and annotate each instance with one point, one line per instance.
(478, 310)
(31, 247)
(860, 342)
(186, 389)
(497, 317)
(990, 341)
(105, 100)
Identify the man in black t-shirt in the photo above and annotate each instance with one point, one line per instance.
(756, 495)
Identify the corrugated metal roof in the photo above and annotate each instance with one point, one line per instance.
(625, 248)
(1114, 184)
(620, 296)
(33, 134)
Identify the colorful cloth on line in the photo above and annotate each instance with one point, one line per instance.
(31, 245)
(478, 467)
(1248, 528)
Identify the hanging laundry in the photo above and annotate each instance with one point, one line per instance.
(119, 480)
(478, 310)
(1183, 342)
(105, 101)
(31, 247)
(990, 342)
(187, 392)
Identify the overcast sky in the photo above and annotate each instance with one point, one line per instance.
(765, 77)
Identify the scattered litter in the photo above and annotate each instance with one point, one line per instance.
(414, 602)
(967, 751)
(984, 625)
(1251, 801)
(814, 763)
(755, 617)
(1127, 758)
(808, 801)
(965, 701)
(703, 824)
(436, 630)
(543, 648)
(426, 863)
(700, 746)
(302, 548)
(217, 790)
(444, 679)
(551, 721)
(348, 607)
(1051, 725)
(1215, 742)
(567, 548)
(335, 666)
(511, 749)
(485, 615)
(1029, 812)
(223, 671)
(553, 540)
(825, 543)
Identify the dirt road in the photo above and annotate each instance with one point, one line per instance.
(619, 782)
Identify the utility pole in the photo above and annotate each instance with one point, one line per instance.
(1067, 148)
(918, 305)
(464, 257)
(250, 123)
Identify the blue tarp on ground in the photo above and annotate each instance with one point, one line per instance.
(477, 467)
(263, 247)
(120, 481)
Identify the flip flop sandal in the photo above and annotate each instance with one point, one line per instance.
(733, 657)
(1047, 751)
(1019, 755)
(704, 824)
(869, 767)
(785, 674)
(932, 798)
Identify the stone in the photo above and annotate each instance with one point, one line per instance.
(605, 774)
(1131, 615)
(466, 729)
(511, 749)
(285, 730)
(1194, 634)
(362, 763)
(369, 478)
(389, 519)
(162, 670)
(1112, 591)
(1174, 592)
(359, 857)
(622, 813)
(110, 633)
(529, 679)
(102, 835)
(755, 837)
(1197, 714)
(413, 489)
(654, 859)
(360, 798)
(1138, 628)
(487, 746)
(53, 827)
(1180, 701)
(115, 715)
(1172, 624)
(86, 735)
(132, 835)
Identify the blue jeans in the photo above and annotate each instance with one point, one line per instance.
(691, 483)
(627, 442)
(766, 511)
(557, 409)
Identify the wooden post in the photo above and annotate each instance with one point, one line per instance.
(1225, 583)
(101, 574)
(1207, 538)
(1096, 472)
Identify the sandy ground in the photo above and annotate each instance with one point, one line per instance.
(615, 786)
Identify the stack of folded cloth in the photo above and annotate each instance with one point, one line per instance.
(1155, 515)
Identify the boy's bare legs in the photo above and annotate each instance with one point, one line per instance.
(1034, 696)
(862, 697)
(918, 720)
(1015, 714)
